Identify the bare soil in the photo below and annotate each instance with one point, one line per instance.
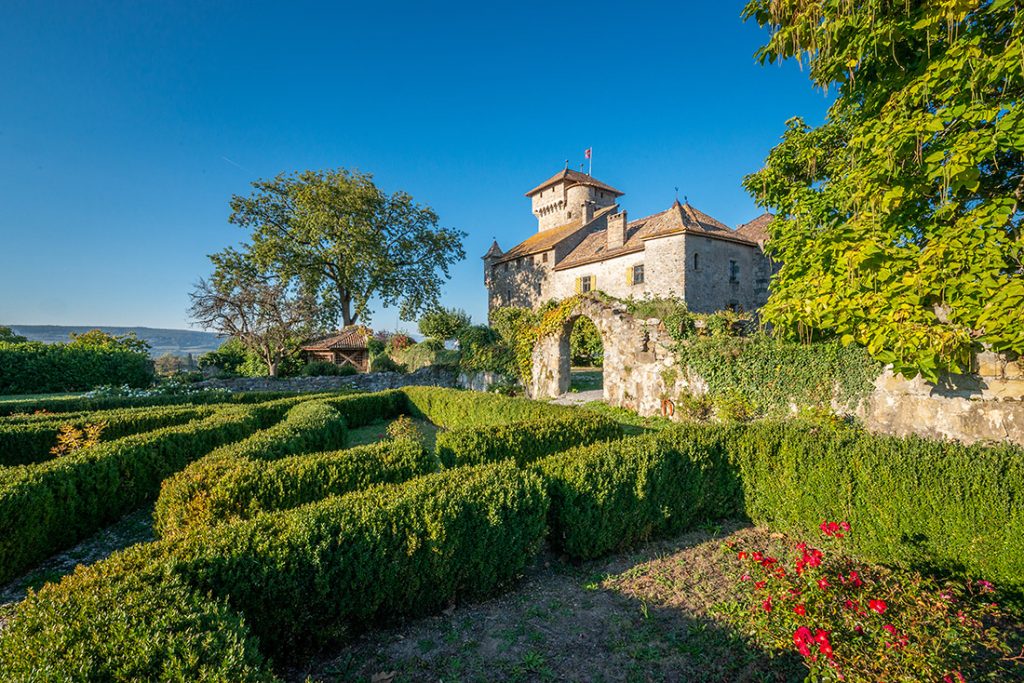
(645, 615)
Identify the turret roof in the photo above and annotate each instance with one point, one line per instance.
(574, 178)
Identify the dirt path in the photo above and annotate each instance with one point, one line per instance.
(642, 616)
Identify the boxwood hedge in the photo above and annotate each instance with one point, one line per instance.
(309, 426)
(73, 404)
(299, 578)
(458, 408)
(36, 367)
(523, 441)
(23, 443)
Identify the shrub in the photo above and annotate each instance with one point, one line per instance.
(444, 323)
(249, 487)
(34, 367)
(321, 368)
(30, 441)
(404, 428)
(427, 353)
(122, 628)
(611, 495)
(458, 408)
(309, 426)
(930, 505)
(732, 406)
(88, 403)
(856, 622)
(52, 505)
(384, 363)
(523, 441)
(406, 550)
(360, 410)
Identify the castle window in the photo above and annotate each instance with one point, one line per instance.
(584, 284)
(734, 271)
(544, 258)
(696, 261)
(638, 274)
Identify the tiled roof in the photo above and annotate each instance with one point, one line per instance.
(494, 251)
(756, 229)
(348, 338)
(548, 239)
(679, 218)
(574, 178)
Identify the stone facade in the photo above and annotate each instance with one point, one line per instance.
(585, 242)
(374, 381)
(641, 373)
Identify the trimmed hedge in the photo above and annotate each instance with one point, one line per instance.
(612, 495)
(34, 367)
(309, 576)
(930, 505)
(72, 404)
(250, 487)
(309, 426)
(523, 441)
(30, 442)
(451, 408)
(360, 410)
(110, 626)
(49, 506)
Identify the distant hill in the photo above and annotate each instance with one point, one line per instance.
(178, 342)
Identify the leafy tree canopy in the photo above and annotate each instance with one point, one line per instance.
(444, 323)
(100, 339)
(348, 241)
(8, 335)
(899, 218)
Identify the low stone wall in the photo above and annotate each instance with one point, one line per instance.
(374, 381)
(641, 373)
(988, 406)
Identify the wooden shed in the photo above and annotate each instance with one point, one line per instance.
(347, 347)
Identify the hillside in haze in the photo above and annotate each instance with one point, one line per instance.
(161, 341)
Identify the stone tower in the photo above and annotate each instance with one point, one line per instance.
(569, 198)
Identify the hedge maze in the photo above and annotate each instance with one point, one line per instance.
(277, 539)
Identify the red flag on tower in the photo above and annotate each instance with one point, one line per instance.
(586, 155)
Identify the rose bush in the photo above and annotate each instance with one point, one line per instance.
(852, 621)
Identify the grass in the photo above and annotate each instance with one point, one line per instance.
(377, 431)
(586, 379)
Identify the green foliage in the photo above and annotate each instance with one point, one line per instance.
(404, 428)
(98, 339)
(482, 349)
(228, 358)
(408, 550)
(7, 335)
(585, 346)
(867, 623)
(34, 367)
(733, 406)
(89, 403)
(773, 374)
(308, 426)
(384, 363)
(444, 323)
(523, 442)
(429, 352)
(109, 626)
(49, 506)
(899, 219)
(246, 488)
(612, 495)
(27, 442)
(922, 504)
(348, 241)
(322, 368)
(454, 408)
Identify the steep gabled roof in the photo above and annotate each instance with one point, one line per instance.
(757, 229)
(574, 178)
(677, 219)
(352, 337)
(494, 252)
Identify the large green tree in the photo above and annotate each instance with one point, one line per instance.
(899, 218)
(348, 242)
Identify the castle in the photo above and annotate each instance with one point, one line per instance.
(585, 242)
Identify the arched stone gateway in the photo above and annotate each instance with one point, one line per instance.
(636, 357)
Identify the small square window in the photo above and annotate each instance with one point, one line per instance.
(586, 284)
(638, 274)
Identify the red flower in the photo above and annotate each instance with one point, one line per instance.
(890, 628)
(845, 526)
(760, 584)
(823, 583)
(877, 605)
(757, 557)
(854, 578)
(802, 638)
(742, 554)
(800, 609)
(767, 604)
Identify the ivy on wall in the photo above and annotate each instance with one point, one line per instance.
(773, 374)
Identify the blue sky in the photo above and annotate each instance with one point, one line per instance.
(125, 127)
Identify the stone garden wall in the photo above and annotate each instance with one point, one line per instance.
(641, 373)
(376, 381)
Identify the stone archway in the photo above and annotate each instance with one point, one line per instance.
(634, 358)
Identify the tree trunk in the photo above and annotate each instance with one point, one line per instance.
(272, 368)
